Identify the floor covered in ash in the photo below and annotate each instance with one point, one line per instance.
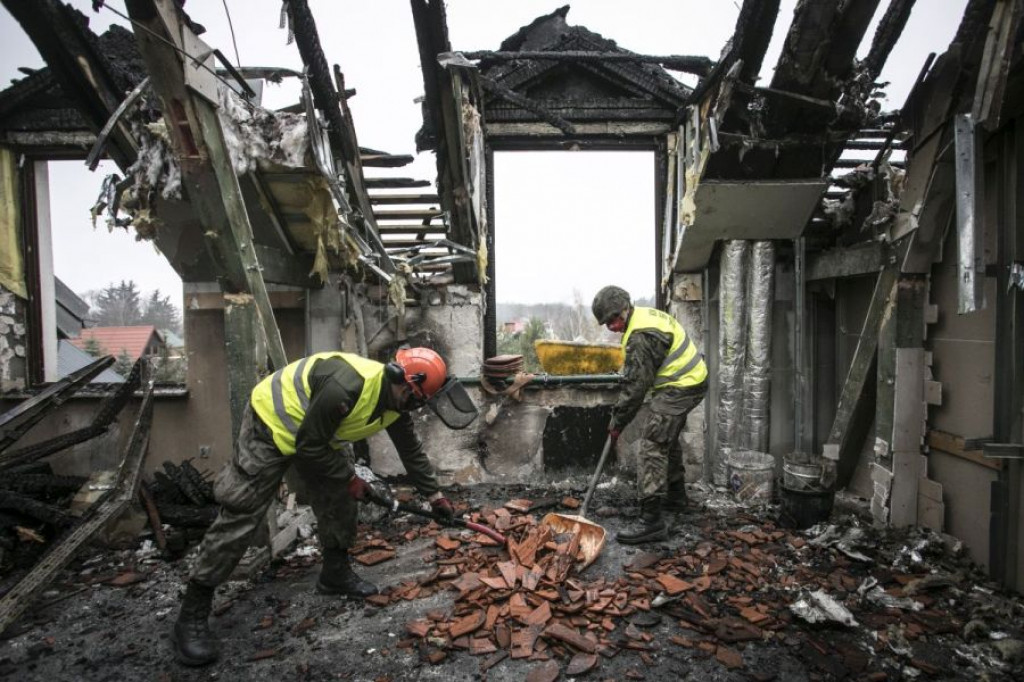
(731, 596)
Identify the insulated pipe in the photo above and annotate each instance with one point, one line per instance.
(799, 360)
(731, 352)
(758, 362)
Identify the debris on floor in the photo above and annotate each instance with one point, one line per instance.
(731, 596)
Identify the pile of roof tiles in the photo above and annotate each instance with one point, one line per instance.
(733, 587)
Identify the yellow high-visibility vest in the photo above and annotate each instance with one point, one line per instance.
(683, 365)
(282, 398)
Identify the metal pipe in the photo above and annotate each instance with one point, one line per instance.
(732, 339)
(756, 381)
(545, 380)
(799, 268)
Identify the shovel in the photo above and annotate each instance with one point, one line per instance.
(592, 535)
(384, 500)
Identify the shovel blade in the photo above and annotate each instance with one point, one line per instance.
(592, 535)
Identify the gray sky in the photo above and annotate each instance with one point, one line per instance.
(543, 200)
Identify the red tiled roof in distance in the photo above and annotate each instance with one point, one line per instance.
(114, 340)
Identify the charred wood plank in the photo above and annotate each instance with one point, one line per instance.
(17, 599)
(149, 504)
(22, 456)
(186, 515)
(404, 198)
(19, 419)
(889, 30)
(695, 64)
(509, 95)
(23, 504)
(63, 39)
(385, 160)
(412, 214)
(381, 183)
(42, 484)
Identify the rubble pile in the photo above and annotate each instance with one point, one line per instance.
(845, 600)
(182, 498)
(34, 508)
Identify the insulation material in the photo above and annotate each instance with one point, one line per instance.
(155, 173)
(12, 268)
(758, 365)
(255, 136)
(731, 352)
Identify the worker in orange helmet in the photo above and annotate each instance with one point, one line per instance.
(308, 414)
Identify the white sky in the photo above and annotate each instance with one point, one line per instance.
(542, 200)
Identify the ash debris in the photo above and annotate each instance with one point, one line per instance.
(728, 597)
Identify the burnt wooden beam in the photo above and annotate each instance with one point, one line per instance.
(198, 142)
(443, 123)
(404, 198)
(698, 65)
(388, 183)
(59, 33)
(853, 413)
(385, 160)
(403, 229)
(19, 419)
(851, 25)
(510, 95)
(14, 603)
(412, 214)
(889, 30)
(340, 129)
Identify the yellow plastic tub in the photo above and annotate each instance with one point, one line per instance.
(573, 357)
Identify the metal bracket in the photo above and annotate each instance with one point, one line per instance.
(1003, 450)
(1016, 278)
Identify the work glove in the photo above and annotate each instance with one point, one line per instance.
(358, 489)
(442, 508)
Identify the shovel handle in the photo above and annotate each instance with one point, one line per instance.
(597, 476)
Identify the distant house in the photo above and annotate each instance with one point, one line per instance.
(513, 327)
(71, 359)
(132, 341)
(72, 311)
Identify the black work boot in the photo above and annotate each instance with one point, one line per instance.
(194, 643)
(649, 528)
(337, 576)
(675, 499)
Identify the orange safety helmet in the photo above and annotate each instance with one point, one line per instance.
(425, 371)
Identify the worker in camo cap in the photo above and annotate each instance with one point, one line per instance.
(662, 359)
(307, 414)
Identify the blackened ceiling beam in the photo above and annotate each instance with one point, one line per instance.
(698, 65)
(754, 27)
(62, 36)
(889, 30)
(851, 26)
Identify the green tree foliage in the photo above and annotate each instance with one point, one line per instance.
(169, 370)
(94, 348)
(521, 343)
(119, 305)
(124, 363)
(161, 313)
(122, 305)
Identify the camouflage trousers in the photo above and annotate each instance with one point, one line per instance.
(660, 457)
(245, 488)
